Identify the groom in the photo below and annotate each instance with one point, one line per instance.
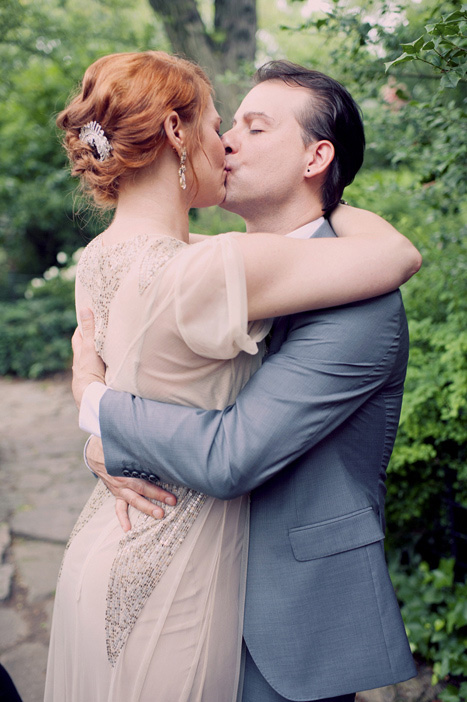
(310, 436)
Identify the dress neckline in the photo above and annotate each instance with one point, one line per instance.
(138, 237)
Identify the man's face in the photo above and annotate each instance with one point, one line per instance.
(265, 153)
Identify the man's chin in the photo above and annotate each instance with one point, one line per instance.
(226, 204)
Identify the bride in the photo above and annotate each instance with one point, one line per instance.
(156, 612)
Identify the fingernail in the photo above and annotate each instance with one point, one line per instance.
(170, 501)
(158, 513)
(85, 314)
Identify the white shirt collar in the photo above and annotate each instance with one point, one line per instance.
(307, 230)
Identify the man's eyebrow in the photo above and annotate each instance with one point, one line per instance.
(248, 116)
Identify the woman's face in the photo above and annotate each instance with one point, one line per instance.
(208, 162)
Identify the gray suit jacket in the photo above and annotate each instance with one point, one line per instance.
(310, 436)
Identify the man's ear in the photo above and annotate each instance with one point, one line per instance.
(176, 133)
(319, 156)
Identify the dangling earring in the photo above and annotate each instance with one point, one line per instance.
(182, 169)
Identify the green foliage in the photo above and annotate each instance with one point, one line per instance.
(443, 46)
(36, 331)
(44, 49)
(413, 117)
(438, 124)
(428, 469)
(429, 465)
(212, 220)
(435, 616)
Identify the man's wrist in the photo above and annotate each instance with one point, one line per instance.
(89, 409)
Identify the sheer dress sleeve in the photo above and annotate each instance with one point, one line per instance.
(211, 307)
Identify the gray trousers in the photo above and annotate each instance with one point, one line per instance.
(257, 689)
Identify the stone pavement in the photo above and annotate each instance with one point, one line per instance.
(43, 488)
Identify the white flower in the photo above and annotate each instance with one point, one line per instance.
(77, 254)
(51, 273)
(69, 273)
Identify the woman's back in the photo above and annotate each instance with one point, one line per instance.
(171, 319)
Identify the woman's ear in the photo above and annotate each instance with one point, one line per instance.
(175, 131)
(319, 156)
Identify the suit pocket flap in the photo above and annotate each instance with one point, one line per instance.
(335, 535)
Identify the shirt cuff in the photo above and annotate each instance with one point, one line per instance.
(86, 458)
(89, 410)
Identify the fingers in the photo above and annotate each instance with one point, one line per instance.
(142, 504)
(87, 365)
(76, 342)
(152, 492)
(121, 510)
(87, 325)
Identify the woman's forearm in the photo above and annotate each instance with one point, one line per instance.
(287, 275)
(353, 221)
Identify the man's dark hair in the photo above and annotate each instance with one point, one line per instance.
(333, 115)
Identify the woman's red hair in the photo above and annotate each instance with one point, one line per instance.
(130, 95)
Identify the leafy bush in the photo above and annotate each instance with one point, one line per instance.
(427, 488)
(435, 615)
(36, 331)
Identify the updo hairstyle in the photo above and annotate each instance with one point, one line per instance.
(130, 95)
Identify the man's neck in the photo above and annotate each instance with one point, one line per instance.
(280, 223)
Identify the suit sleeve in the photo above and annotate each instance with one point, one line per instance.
(330, 363)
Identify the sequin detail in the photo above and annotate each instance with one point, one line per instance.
(158, 253)
(101, 270)
(143, 557)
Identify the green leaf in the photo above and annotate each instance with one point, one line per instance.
(403, 58)
(409, 48)
(450, 80)
(418, 43)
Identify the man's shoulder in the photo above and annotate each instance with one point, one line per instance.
(365, 322)
(382, 306)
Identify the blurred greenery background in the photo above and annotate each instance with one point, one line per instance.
(405, 63)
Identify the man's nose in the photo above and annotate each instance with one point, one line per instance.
(228, 141)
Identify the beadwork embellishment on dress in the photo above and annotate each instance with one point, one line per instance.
(143, 556)
(101, 270)
(159, 252)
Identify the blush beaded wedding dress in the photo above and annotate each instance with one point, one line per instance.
(156, 614)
